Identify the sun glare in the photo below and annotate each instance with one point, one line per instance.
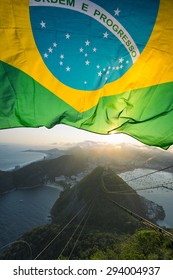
(119, 138)
(61, 134)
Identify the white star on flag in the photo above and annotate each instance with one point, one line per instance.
(87, 43)
(105, 35)
(116, 12)
(50, 50)
(67, 36)
(121, 60)
(87, 62)
(100, 72)
(43, 24)
(68, 69)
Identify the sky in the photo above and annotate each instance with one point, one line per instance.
(63, 136)
(57, 135)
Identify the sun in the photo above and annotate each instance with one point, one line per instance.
(119, 138)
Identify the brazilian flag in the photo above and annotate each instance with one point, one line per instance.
(104, 66)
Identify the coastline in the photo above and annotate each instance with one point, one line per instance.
(43, 156)
(19, 166)
(15, 189)
(23, 210)
(14, 157)
(9, 191)
(54, 186)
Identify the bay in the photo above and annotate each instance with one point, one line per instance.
(23, 210)
(17, 155)
(152, 187)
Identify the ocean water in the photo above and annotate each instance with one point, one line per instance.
(160, 195)
(23, 210)
(12, 155)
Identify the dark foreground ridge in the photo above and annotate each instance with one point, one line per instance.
(86, 225)
(96, 190)
(37, 173)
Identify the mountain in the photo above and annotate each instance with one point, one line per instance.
(6, 181)
(124, 157)
(95, 191)
(120, 158)
(37, 173)
(87, 225)
(51, 153)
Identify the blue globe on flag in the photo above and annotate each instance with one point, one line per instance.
(87, 44)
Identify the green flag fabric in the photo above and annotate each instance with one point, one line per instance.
(95, 65)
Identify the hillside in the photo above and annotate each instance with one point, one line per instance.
(86, 225)
(120, 158)
(6, 181)
(37, 173)
(100, 229)
(96, 190)
(124, 157)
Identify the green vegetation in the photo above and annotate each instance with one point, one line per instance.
(144, 244)
(38, 173)
(87, 226)
(6, 181)
(96, 190)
